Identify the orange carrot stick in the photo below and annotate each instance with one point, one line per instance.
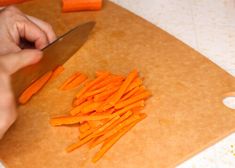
(136, 82)
(81, 5)
(75, 82)
(109, 80)
(129, 107)
(57, 72)
(76, 119)
(34, 88)
(130, 93)
(122, 125)
(131, 100)
(78, 109)
(120, 120)
(104, 95)
(90, 84)
(84, 127)
(70, 79)
(77, 102)
(90, 107)
(111, 141)
(124, 87)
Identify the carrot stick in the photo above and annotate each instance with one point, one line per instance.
(84, 127)
(78, 109)
(10, 2)
(81, 5)
(76, 119)
(136, 82)
(57, 72)
(109, 80)
(130, 93)
(70, 79)
(123, 87)
(104, 95)
(90, 107)
(111, 141)
(131, 100)
(77, 102)
(75, 82)
(94, 92)
(122, 125)
(34, 88)
(102, 128)
(100, 73)
(129, 107)
(90, 84)
(120, 120)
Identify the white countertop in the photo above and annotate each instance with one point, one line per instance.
(208, 26)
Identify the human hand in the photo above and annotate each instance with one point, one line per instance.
(8, 65)
(15, 25)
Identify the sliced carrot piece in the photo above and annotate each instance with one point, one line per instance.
(81, 5)
(34, 88)
(78, 80)
(90, 107)
(125, 123)
(84, 127)
(70, 79)
(111, 141)
(130, 93)
(132, 75)
(131, 100)
(57, 72)
(129, 107)
(136, 82)
(76, 119)
(78, 109)
(90, 84)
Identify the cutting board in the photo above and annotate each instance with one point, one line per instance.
(185, 113)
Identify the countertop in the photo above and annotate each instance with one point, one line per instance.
(208, 26)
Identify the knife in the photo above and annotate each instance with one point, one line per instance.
(55, 54)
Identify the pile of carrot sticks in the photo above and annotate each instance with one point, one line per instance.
(104, 109)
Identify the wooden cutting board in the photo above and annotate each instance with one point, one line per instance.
(185, 114)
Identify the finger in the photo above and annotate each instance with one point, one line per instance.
(7, 105)
(11, 47)
(32, 33)
(15, 61)
(45, 27)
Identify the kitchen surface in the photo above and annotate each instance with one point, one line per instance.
(209, 27)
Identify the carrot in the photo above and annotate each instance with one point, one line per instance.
(77, 102)
(113, 131)
(78, 109)
(120, 120)
(130, 93)
(90, 107)
(10, 2)
(105, 109)
(92, 83)
(57, 72)
(104, 95)
(111, 141)
(81, 5)
(124, 87)
(34, 88)
(65, 120)
(137, 82)
(70, 79)
(109, 80)
(84, 127)
(75, 82)
(131, 100)
(129, 107)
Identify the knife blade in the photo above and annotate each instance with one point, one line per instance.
(55, 54)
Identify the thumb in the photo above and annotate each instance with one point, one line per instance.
(15, 61)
